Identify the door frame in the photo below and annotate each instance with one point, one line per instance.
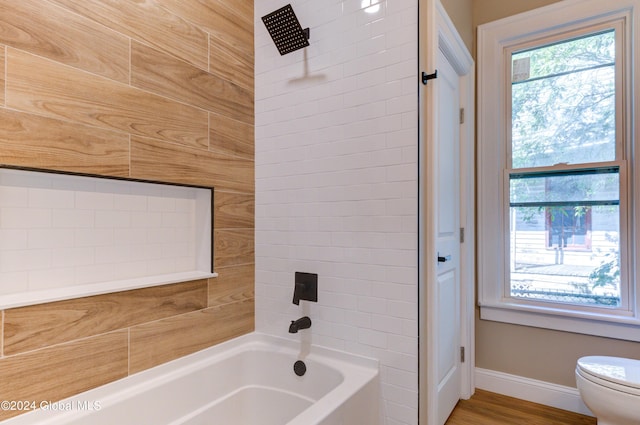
(437, 32)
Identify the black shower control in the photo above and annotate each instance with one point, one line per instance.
(306, 287)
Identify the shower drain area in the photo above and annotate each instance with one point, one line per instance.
(68, 235)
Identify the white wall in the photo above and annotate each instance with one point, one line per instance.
(336, 185)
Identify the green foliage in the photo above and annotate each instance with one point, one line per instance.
(607, 273)
(565, 110)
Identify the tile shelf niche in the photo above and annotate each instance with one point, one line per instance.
(67, 235)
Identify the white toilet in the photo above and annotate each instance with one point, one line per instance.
(610, 387)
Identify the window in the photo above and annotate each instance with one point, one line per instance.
(556, 141)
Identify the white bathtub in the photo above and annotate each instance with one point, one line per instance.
(245, 381)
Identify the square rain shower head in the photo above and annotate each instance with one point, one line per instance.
(285, 30)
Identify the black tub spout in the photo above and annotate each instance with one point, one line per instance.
(301, 323)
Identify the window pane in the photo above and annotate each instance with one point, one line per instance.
(564, 236)
(563, 102)
(566, 188)
(566, 254)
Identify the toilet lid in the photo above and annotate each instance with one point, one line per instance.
(614, 369)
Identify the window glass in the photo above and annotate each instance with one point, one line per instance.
(565, 220)
(563, 102)
(567, 254)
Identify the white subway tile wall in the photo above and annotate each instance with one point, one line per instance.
(336, 185)
(58, 231)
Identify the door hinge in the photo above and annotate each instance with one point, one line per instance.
(462, 235)
(461, 354)
(461, 115)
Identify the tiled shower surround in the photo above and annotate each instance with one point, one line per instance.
(336, 184)
(169, 96)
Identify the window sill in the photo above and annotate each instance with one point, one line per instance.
(59, 294)
(608, 326)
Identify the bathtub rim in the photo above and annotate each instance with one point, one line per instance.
(362, 371)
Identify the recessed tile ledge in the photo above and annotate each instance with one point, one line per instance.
(79, 291)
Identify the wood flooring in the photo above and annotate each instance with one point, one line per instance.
(486, 408)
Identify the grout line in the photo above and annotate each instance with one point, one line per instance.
(87, 337)
(6, 74)
(232, 266)
(128, 351)
(235, 192)
(161, 319)
(208, 53)
(132, 87)
(130, 62)
(2, 334)
(63, 343)
(208, 292)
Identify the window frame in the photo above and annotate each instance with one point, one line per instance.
(496, 42)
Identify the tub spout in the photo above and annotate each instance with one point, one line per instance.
(301, 323)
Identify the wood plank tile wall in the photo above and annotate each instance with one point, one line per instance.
(154, 89)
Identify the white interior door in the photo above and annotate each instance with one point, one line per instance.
(446, 278)
(447, 283)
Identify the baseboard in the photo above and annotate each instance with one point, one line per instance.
(559, 396)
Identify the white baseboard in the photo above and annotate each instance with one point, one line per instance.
(559, 396)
